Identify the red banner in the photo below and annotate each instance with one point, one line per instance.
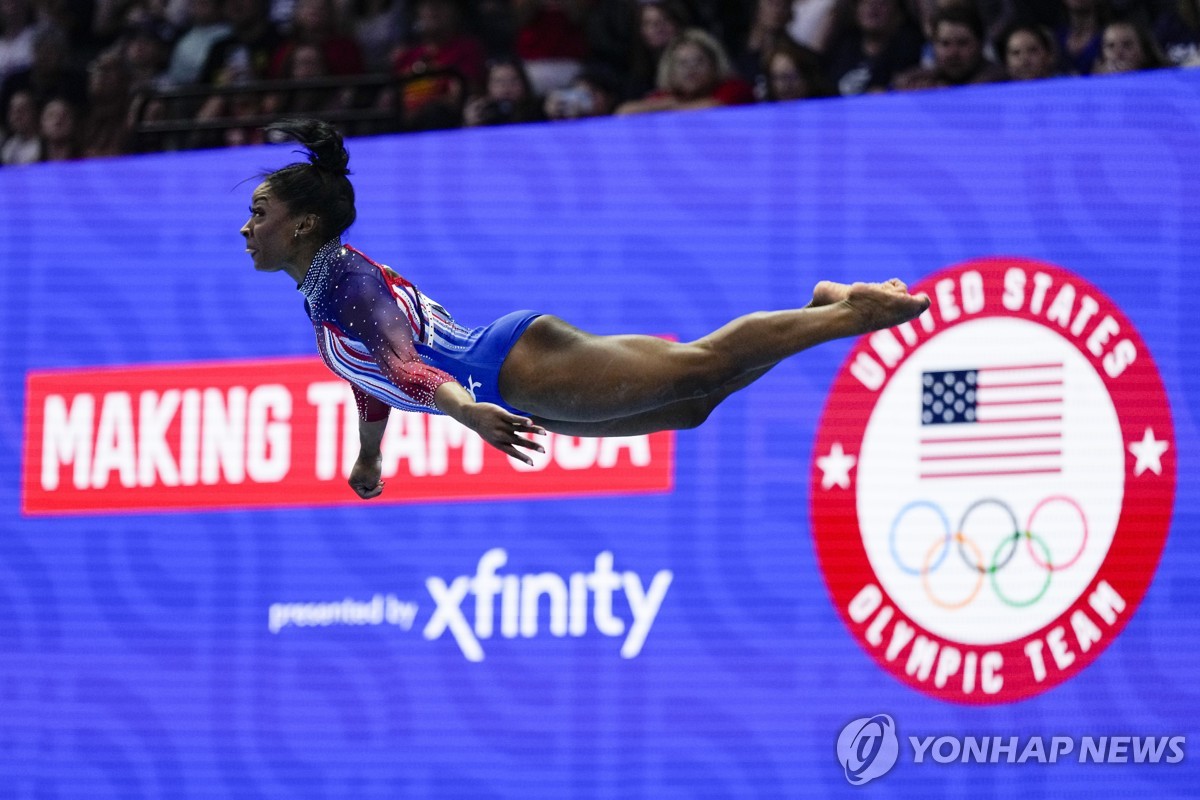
(279, 432)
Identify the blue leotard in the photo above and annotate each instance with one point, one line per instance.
(392, 343)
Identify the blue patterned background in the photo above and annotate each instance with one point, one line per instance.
(135, 659)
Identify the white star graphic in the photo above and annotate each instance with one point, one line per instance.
(1149, 453)
(835, 467)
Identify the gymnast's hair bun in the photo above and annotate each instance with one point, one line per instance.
(323, 143)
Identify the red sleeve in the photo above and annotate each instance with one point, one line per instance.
(370, 409)
(367, 311)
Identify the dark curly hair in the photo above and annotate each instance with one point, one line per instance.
(318, 186)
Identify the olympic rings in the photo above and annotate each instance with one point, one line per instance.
(1001, 557)
(1045, 586)
(1082, 544)
(978, 584)
(900, 516)
(962, 526)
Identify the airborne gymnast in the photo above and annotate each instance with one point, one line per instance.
(526, 373)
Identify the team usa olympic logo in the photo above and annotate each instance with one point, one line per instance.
(973, 556)
(992, 483)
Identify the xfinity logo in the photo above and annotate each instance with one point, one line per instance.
(572, 599)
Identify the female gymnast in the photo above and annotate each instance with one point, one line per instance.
(526, 373)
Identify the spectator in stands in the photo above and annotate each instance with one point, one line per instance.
(1079, 40)
(1129, 46)
(1177, 30)
(874, 41)
(16, 36)
(235, 106)
(314, 22)
(21, 143)
(59, 130)
(247, 52)
(795, 72)
(595, 92)
(990, 11)
(767, 30)
(509, 97)
(550, 41)
(442, 46)
(694, 73)
(74, 19)
(658, 23)
(176, 12)
(50, 74)
(107, 21)
(114, 19)
(812, 22)
(958, 53)
(244, 106)
(306, 62)
(191, 50)
(881, 41)
(146, 50)
(611, 29)
(377, 26)
(106, 126)
(1029, 52)
(282, 14)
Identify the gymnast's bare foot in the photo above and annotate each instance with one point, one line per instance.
(878, 305)
(827, 293)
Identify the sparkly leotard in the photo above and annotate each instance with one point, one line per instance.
(392, 343)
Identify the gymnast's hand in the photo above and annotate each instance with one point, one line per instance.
(365, 476)
(502, 429)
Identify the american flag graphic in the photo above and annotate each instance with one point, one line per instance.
(992, 421)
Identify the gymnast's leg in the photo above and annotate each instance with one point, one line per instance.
(560, 374)
(679, 415)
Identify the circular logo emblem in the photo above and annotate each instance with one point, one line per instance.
(992, 483)
(867, 748)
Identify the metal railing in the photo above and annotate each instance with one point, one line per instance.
(165, 119)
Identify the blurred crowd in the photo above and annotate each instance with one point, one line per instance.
(88, 78)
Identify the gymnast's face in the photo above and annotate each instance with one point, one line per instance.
(270, 231)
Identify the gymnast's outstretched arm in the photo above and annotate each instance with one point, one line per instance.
(495, 425)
